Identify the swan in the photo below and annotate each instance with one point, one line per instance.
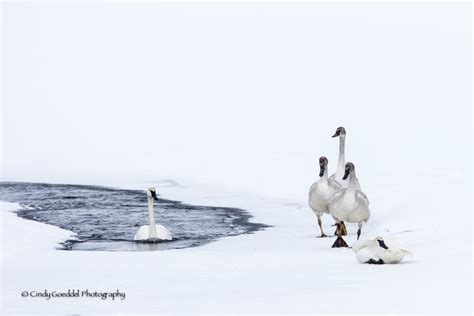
(152, 232)
(380, 250)
(321, 192)
(349, 205)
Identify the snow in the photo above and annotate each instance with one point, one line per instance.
(232, 105)
(283, 269)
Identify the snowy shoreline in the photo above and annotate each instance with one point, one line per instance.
(282, 269)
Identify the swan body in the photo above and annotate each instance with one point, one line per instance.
(350, 204)
(321, 193)
(380, 251)
(152, 232)
(143, 233)
(339, 174)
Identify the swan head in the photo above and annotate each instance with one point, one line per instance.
(381, 242)
(340, 132)
(323, 163)
(348, 169)
(151, 193)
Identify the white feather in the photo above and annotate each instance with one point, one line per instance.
(161, 233)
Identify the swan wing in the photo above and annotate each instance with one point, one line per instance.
(395, 244)
(142, 233)
(163, 233)
(359, 244)
(334, 184)
(313, 188)
(362, 197)
(337, 196)
(366, 254)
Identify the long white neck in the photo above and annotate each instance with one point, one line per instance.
(151, 219)
(342, 159)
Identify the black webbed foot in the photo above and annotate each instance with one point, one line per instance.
(339, 243)
(372, 261)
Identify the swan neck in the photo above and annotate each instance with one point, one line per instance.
(151, 219)
(353, 181)
(342, 160)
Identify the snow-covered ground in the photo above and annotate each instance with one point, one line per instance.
(284, 269)
(235, 102)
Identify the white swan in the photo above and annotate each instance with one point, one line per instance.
(152, 232)
(380, 250)
(349, 205)
(338, 175)
(321, 193)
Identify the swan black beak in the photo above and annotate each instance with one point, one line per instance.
(336, 134)
(346, 174)
(321, 171)
(382, 244)
(153, 195)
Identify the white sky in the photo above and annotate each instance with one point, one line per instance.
(244, 95)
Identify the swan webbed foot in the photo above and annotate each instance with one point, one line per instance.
(323, 235)
(339, 243)
(358, 234)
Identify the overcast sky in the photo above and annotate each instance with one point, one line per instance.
(239, 94)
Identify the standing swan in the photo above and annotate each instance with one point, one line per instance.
(152, 232)
(338, 175)
(321, 192)
(349, 205)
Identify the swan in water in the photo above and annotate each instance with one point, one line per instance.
(321, 192)
(152, 232)
(349, 205)
(380, 250)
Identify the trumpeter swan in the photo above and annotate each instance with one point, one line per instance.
(349, 205)
(321, 193)
(380, 250)
(152, 232)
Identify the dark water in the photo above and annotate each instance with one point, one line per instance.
(107, 219)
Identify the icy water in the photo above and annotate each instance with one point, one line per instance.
(107, 219)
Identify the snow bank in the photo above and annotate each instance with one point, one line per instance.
(22, 236)
(284, 269)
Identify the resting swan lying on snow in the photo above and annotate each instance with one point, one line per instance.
(321, 193)
(349, 205)
(380, 250)
(152, 232)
